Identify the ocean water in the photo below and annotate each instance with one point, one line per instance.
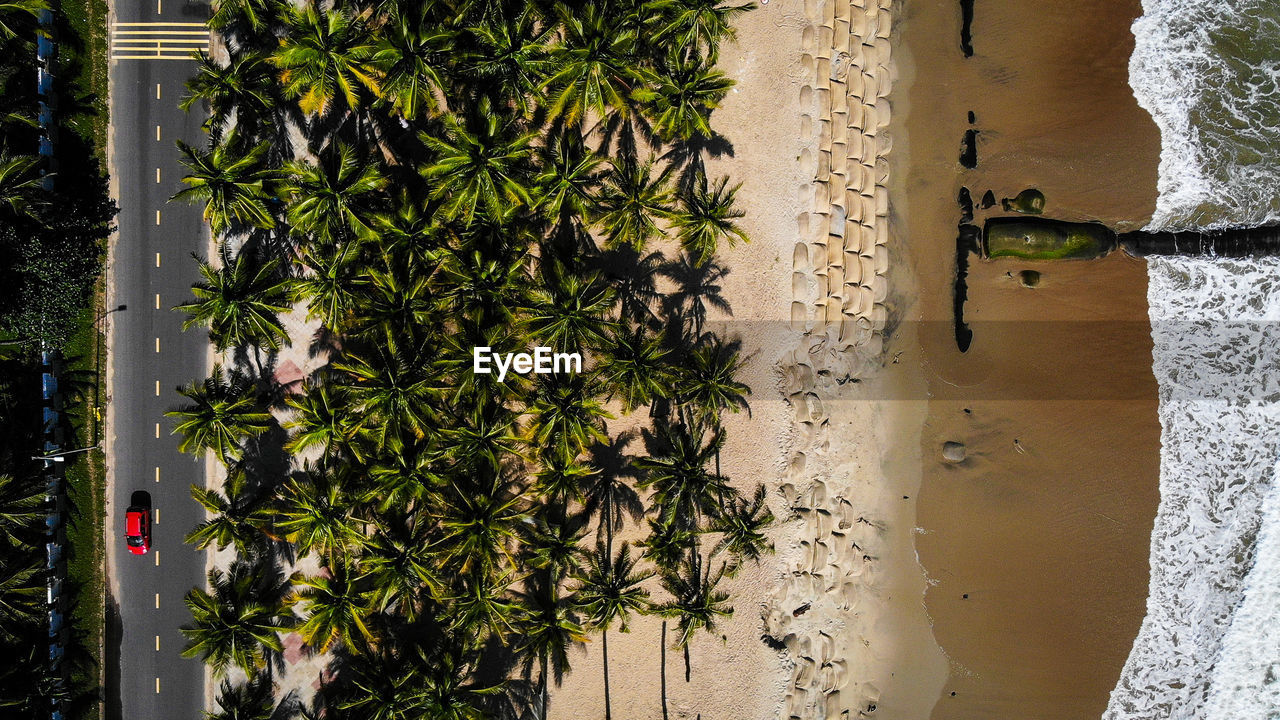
(1216, 357)
(1209, 647)
(1209, 75)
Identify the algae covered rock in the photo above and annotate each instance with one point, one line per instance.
(1028, 202)
(1041, 239)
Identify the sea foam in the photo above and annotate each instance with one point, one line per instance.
(1209, 75)
(1208, 642)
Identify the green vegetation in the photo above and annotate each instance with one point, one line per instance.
(1035, 239)
(425, 178)
(51, 249)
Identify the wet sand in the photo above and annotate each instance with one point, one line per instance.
(1046, 524)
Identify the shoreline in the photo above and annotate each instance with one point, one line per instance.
(1036, 543)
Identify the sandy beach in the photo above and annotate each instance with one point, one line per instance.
(1017, 583)
(1036, 545)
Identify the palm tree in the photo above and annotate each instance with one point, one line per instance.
(562, 476)
(400, 565)
(710, 381)
(238, 519)
(253, 699)
(21, 599)
(334, 608)
(393, 389)
(315, 512)
(241, 90)
(241, 303)
(229, 179)
(571, 312)
(609, 589)
(480, 163)
(412, 57)
(706, 219)
(683, 489)
(554, 544)
(11, 10)
(681, 101)
(549, 630)
(742, 525)
(482, 608)
(696, 603)
(326, 57)
(569, 177)
(608, 494)
(702, 24)
(636, 368)
(222, 412)
(22, 503)
(594, 75)
(327, 287)
(19, 179)
(510, 61)
(336, 199)
(322, 420)
(566, 415)
(481, 522)
(633, 202)
(239, 621)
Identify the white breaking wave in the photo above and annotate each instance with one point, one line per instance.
(1216, 357)
(1209, 75)
(1246, 679)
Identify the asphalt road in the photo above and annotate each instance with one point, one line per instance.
(151, 270)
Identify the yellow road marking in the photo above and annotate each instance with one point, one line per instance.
(157, 176)
(157, 436)
(157, 601)
(157, 553)
(157, 222)
(157, 643)
(159, 24)
(157, 133)
(157, 388)
(157, 301)
(157, 467)
(157, 517)
(157, 7)
(157, 686)
(130, 34)
(157, 344)
(157, 91)
(157, 254)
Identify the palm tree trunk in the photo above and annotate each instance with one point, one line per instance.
(544, 692)
(604, 644)
(662, 654)
(608, 524)
(686, 662)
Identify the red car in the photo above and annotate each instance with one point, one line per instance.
(137, 529)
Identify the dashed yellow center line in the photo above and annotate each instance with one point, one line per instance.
(157, 436)
(157, 552)
(157, 301)
(157, 91)
(158, 7)
(157, 344)
(157, 133)
(157, 176)
(157, 643)
(157, 686)
(157, 601)
(157, 254)
(157, 517)
(157, 217)
(157, 467)
(157, 388)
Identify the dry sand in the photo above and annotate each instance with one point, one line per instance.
(1046, 524)
(812, 298)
